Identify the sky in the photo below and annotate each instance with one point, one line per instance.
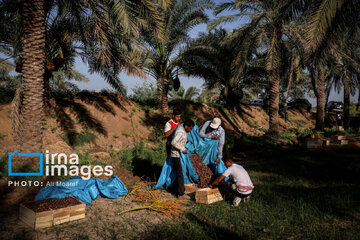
(97, 83)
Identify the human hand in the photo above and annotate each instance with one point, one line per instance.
(214, 137)
(217, 161)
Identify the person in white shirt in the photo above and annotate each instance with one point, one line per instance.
(178, 145)
(213, 130)
(239, 186)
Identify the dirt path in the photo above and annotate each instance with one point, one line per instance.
(101, 222)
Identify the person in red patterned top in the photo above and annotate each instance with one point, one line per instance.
(170, 128)
(239, 185)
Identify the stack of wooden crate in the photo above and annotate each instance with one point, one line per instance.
(203, 195)
(38, 220)
(313, 143)
(339, 139)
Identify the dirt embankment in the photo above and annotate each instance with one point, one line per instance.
(247, 119)
(118, 123)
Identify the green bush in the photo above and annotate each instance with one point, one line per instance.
(145, 95)
(78, 139)
(130, 157)
(125, 134)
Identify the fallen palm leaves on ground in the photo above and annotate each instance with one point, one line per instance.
(143, 193)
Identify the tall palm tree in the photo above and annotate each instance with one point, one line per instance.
(327, 22)
(266, 29)
(106, 43)
(210, 58)
(346, 70)
(162, 49)
(33, 55)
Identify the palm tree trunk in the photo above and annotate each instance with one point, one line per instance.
(33, 45)
(46, 96)
(358, 103)
(291, 73)
(162, 94)
(15, 115)
(164, 99)
(274, 104)
(320, 102)
(346, 102)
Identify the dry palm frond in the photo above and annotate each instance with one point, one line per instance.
(170, 206)
(142, 193)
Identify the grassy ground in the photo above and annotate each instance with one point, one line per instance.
(298, 195)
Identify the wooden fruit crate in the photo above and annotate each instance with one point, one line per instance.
(338, 137)
(208, 195)
(313, 143)
(44, 219)
(340, 142)
(190, 188)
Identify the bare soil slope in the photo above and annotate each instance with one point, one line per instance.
(119, 123)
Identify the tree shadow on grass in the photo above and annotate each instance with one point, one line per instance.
(200, 229)
(333, 201)
(338, 164)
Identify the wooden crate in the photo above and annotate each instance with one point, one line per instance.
(338, 137)
(313, 143)
(208, 195)
(38, 220)
(340, 142)
(190, 188)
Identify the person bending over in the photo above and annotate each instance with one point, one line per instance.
(213, 130)
(239, 185)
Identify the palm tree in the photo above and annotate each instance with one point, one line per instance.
(328, 20)
(210, 58)
(266, 29)
(112, 26)
(33, 55)
(188, 95)
(346, 70)
(162, 50)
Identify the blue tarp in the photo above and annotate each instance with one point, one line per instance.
(204, 147)
(84, 190)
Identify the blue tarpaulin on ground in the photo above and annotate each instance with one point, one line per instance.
(84, 190)
(204, 147)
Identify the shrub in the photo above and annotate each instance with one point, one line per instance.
(79, 139)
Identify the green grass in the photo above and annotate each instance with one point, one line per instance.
(144, 160)
(78, 139)
(353, 111)
(298, 195)
(116, 136)
(125, 133)
(1, 135)
(300, 123)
